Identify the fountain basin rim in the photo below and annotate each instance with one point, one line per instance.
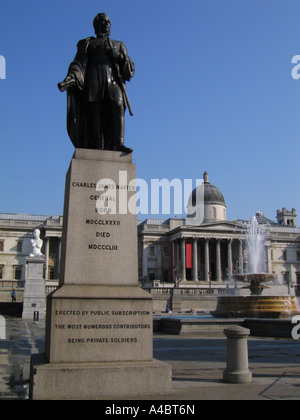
(256, 307)
(255, 276)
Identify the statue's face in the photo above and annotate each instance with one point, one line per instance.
(103, 25)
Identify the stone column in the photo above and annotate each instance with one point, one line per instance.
(47, 258)
(159, 261)
(178, 251)
(195, 260)
(218, 260)
(269, 257)
(145, 260)
(206, 268)
(183, 260)
(229, 254)
(241, 258)
(237, 371)
(174, 265)
(176, 262)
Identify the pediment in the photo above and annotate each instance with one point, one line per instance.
(222, 226)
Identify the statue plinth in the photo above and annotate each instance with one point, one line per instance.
(99, 321)
(34, 298)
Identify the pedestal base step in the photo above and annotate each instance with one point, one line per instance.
(92, 381)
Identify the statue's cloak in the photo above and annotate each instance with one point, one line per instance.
(77, 118)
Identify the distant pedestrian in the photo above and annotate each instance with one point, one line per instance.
(13, 296)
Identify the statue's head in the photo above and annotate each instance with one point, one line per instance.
(102, 24)
(36, 233)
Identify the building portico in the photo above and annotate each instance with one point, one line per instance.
(206, 255)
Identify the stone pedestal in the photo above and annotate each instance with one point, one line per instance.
(99, 322)
(237, 371)
(34, 299)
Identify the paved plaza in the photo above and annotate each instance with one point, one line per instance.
(197, 363)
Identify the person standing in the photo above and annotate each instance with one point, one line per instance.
(13, 296)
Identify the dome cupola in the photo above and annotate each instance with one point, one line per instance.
(206, 204)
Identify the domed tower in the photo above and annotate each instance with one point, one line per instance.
(206, 204)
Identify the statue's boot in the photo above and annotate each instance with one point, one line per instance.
(119, 124)
(123, 148)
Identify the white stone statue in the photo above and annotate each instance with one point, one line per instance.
(36, 244)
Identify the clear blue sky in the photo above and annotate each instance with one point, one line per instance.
(212, 91)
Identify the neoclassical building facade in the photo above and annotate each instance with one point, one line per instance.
(202, 254)
(200, 251)
(16, 232)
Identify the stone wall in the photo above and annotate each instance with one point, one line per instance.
(5, 294)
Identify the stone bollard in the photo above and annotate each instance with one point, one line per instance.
(237, 371)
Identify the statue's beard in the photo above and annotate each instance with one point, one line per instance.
(101, 34)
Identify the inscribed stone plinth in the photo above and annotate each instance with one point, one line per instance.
(99, 233)
(99, 324)
(99, 321)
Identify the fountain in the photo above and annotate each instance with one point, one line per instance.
(256, 305)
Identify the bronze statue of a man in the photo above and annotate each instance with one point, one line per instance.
(96, 91)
